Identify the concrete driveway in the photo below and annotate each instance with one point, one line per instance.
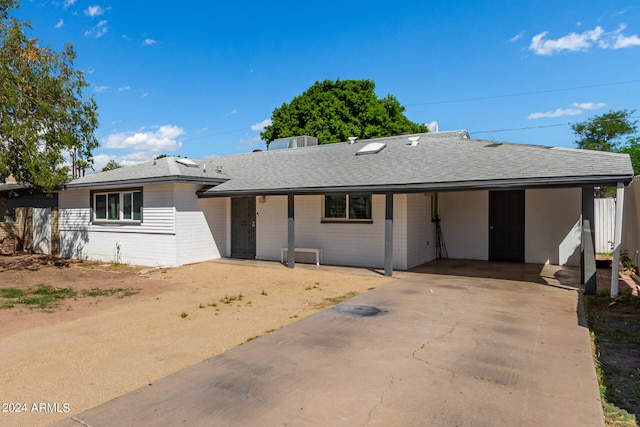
(449, 344)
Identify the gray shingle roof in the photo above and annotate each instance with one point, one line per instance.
(167, 169)
(440, 161)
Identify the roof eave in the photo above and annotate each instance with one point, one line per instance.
(523, 183)
(144, 181)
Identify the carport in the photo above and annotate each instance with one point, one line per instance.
(465, 343)
(507, 199)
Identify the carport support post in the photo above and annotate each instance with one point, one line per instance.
(588, 255)
(388, 236)
(291, 233)
(617, 239)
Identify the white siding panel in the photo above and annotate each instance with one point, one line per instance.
(157, 213)
(150, 243)
(552, 226)
(73, 208)
(465, 224)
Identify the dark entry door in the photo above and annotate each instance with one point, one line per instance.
(506, 225)
(243, 227)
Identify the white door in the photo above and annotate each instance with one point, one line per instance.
(42, 231)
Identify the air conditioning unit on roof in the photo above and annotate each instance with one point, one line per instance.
(292, 142)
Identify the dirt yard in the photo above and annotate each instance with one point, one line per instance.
(122, 330)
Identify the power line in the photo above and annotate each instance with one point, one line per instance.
(523, 128)
(523, 93)
(537, 127)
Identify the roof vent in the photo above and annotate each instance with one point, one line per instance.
(371, 148)
(292, 142)
(413, 140)
(352, 139)
(187, 162)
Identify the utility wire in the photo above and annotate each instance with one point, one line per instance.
(538, 127)
(522, 93)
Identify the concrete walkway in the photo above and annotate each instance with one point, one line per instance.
(449, 344)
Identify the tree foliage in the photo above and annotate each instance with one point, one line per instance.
(632, 148)
(43, 112)
(334, 111)
(604, 132)
(111, 165)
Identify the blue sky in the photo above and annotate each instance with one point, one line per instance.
(199, 79)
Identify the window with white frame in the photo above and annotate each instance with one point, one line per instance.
(125, 206)
(347, 207)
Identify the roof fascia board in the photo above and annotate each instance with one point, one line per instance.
(143, 181)
(566, 182)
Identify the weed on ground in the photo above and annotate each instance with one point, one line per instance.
(615, 331)
(48, 298)
(327, 302)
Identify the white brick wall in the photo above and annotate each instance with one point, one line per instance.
(421, 246)
(354, 244)
(552, 226)
(465, 223)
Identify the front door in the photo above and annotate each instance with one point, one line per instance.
(506, 225)
(243, 227)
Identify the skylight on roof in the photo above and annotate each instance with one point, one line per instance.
(371, 148)
(186, 162)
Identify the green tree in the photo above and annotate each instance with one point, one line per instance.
(111, 165)
(334, 111)
(632, 148)
(604, 132)
(43, 113)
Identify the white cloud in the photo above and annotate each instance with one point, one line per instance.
(252, 142)
(581, 42)
(100, 89)
(163, 139)
(68, 3)
(148, 42)
(557, 113)
(589, 105)
(60, 23)
(433, 126)
(234, 111)
(101, 160)
(136, 158)
(124, 88)
(516, 37)
(620, 41)
(571, 42)
(97, 31)
(260, 126)
(94, 11)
